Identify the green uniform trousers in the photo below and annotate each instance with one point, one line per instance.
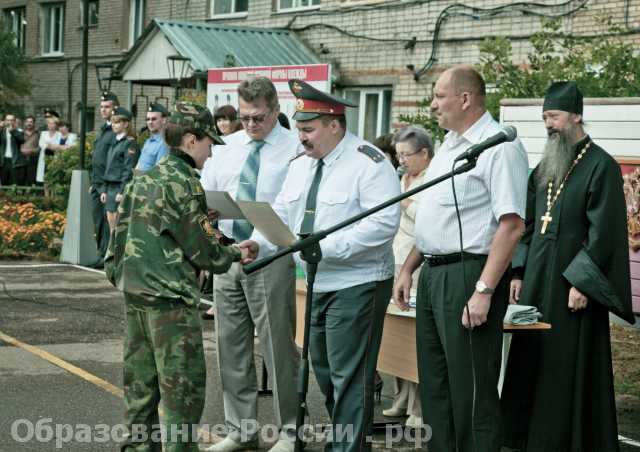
(163, 361)
(344, 340)
(444, 359)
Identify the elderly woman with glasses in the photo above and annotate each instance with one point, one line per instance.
(414, 150)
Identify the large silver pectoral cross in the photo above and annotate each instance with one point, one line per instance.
(546, 219)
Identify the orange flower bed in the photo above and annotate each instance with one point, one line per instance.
(24, 229)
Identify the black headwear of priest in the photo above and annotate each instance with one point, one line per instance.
(564, 96)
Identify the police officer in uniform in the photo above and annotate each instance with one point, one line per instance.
(108, 103)
(162, 239)
(155, 147)
(340, 175)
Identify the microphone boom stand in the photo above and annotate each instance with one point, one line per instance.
(309, 247)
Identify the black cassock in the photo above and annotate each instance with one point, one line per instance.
(558, 391)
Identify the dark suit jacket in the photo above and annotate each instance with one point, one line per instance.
(18, 159)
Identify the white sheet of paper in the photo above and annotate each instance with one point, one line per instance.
(265, 220)
(224, 204)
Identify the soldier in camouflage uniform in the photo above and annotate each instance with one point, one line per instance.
(162, 238)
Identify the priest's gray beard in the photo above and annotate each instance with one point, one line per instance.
(557, 158)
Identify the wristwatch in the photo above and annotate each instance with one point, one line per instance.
(481, 287)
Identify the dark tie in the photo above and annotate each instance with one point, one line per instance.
(310, 208)
(247, 189)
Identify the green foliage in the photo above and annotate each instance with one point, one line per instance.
(602, 67)
(423, 118)
(61, 165)
(24, 195)
(14, 78)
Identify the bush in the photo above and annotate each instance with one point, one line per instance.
(20, 195)
(26, 230)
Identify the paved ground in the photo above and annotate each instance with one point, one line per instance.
(75, 316)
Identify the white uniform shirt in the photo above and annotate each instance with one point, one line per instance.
(495, 187)
(351, 183)
(222, 171)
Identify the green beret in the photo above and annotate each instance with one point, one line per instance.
(194, 116)
(108, 95)
(122, 112)
(155, 107)
(564, 96)
(311, 102)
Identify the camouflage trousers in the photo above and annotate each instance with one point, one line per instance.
(163, 361)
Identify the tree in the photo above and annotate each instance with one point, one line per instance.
(15, 81)
(604, 66)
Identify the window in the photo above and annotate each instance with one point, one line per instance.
(136, 20)
(372, 117)
(297, 4)
(53, 29)
(17, 24)
(93, 12)
(229, 7)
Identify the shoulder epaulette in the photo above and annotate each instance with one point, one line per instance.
(372, 153)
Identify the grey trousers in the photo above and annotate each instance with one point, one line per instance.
(264, 300)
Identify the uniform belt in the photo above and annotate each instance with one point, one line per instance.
(433, 260)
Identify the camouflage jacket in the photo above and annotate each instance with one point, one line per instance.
(163, 235)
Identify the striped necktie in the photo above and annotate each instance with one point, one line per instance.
(247, 188)
(310, 207)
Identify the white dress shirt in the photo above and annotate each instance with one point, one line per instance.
(351, 183)
(222, 171)
(495, 187)
(7, 150)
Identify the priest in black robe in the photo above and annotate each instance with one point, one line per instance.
(573, 264)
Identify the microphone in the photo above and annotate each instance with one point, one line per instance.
(508, 134)
(400, 170)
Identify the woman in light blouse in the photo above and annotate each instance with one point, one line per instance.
(414, 150)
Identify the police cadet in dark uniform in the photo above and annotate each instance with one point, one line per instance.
(155, 147)
(340, 175)
(122, 155)
(108, 102)
(163, 237)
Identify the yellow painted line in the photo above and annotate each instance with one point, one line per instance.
(64, 365)
(204, 434)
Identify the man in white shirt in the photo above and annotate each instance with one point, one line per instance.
(491, 201)
(252, 166)
(339, 176)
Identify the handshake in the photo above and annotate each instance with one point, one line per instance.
(249, 251)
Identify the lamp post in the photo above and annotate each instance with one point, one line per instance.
(177, 66)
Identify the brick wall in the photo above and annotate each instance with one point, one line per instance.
(355, 61)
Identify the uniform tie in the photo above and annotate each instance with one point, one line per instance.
(310, 208)
(242, 229)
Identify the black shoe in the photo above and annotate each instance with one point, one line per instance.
(206, 316)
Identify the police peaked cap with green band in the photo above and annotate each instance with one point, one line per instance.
(155, 107)
(51, 112)
(122, 112)
(108, 95)
(311, 102)
(564, 96)
(193, 116)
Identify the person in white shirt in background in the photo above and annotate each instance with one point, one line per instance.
(49, 139)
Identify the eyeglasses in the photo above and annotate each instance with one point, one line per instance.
(258, 119)
(402, 156)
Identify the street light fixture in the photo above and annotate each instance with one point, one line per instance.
(104, 74)
(177, 66)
